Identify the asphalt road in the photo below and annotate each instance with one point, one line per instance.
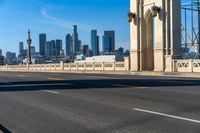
(95, 103)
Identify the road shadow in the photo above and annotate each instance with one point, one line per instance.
(95, 84)
(4, 130)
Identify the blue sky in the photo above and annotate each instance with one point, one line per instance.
(56, 17)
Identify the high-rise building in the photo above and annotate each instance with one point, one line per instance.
(85, 50)
(10, 56)
(53, 43)
(68, 45)
(75, 41)
(58, 47)
(48, 49)
(94, 42)
(111, 35)
(1, 52)
(42, 43)
(21, 48)
(106, 44)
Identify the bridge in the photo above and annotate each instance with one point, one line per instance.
(103, 97)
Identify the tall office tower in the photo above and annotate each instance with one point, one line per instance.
(111, 35)
(42, 43)
(58, 47)
(79, 51)
(1, 52)
(48, 49)
(106, 44)
(21, 48)
(68, 45)
(75, 41)
(94, 42)
(53, 43)
(85, 50)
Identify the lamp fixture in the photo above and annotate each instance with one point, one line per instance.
(131, 16)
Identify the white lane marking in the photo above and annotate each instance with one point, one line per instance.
(54, 92)
(32, 85)
(167, 115)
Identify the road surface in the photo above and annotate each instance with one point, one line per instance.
(98, 103)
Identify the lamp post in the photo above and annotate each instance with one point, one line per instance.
(29, 47)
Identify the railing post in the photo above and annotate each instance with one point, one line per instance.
(93, 66)
(85, 66)
(62, 65)
(127, 63)
(77, 66)
(114, 63)
(103, 66)
(191, 65)
(27, 66)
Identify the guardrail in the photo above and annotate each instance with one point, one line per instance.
(99, 66)
(187, 65)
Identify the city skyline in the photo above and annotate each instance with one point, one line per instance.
(57, 18)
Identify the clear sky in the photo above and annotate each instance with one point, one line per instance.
(56, 17)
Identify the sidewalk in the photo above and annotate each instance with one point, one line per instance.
(144, 73)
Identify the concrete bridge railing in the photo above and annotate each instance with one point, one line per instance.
(99, 66)
(187, 65)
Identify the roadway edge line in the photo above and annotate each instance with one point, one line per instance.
(167, 115)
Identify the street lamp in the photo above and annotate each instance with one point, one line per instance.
(155, 10)
(131, 16)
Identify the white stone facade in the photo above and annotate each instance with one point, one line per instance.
(155, 39)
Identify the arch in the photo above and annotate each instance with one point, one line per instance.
(148, 46)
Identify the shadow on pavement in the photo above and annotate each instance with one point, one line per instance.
(95, 84)
(4, 130)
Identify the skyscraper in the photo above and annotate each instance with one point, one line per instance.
(106, 44)
(68, 45)
(94, 42)
(48, 49)
(111, 35)
(53, 43)
(42, 43)
(75, 42)
(1, 52)
(58, 47)
(21, 48)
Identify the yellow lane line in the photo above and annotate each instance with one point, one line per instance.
(55, 78)
(127, 86)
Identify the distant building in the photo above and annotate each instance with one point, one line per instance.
(120, 51)
(76, 43)
(111, 35)
(68, 45)
(1, 52)
(42, 43)
(127, 53)
(58, 47)
(2, 61)
(106, 44)
(11, 58)
(21, 48)
(94, 42)
(53, 43)
(48, 49)
(86, 50)
(33, 51)
(102, 58)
